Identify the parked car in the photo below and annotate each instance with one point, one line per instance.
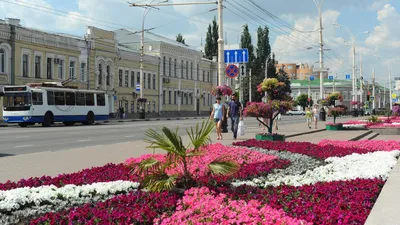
(295, 112)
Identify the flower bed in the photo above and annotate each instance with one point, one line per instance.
(109, 172)
(20, 203)
(201, 206)
(306, 148)
(370, 145)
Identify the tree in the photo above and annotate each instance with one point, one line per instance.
(154, 173)
(302, 101)
(282, 76)
(179, 38)
(246, 42)
(211, 46)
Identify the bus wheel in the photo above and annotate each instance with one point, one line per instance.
(89, 118)
(23, 124)
(69, 123)
(48, 119)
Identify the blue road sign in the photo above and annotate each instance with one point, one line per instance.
(137, 87)
(236, 56)
(372, 98)
(312, 78)
(348, 77)
(330, 77)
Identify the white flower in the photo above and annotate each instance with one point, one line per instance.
(25, 202)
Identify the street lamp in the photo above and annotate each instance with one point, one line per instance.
(319, 4)
(390, 82)
(353, 45)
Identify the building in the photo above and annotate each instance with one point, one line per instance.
(297, 71)
(185, 77)
(177, 79)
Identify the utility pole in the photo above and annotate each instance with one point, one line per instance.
(321, 50)
(334, 79)
(373, 88)
(309, 91)
(250, 85)
(390, 89)
(361, 80)
(221, 63)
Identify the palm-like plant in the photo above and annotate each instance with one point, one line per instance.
(154, 172)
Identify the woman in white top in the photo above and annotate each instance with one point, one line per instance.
(316, 115)
(217, 115)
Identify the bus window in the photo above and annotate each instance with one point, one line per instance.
(59, 98)
(70, 98)
(80, 98)
(50, 98)
(101, 101)
(89, 99)
(37, 98)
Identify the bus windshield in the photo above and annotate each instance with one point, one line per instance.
(22, 99)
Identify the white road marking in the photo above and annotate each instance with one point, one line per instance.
(86, 140)
(22, 146)
(130, 136)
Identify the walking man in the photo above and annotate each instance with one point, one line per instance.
(235, 112)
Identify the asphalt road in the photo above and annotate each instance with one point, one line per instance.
(15, 140)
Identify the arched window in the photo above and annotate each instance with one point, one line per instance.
(2, 61)
(191, 70)
(175, 75)
(108, 75)
(182, 69)
(100, 74)
(198, 72)
(169, 67)
(187, 69)
(164, 64)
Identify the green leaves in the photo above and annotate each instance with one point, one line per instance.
(201, 135)
(223, 167)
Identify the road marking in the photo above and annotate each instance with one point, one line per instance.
(86, 140)
(23, 137)
(130, 136)
(22, 146)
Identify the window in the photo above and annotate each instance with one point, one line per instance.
(204, 100)
(170, 97)
(50, 98)
(100, 78)
(108, 71)
(163, 97)
(154, 82)
(49, 68)
(191, 70)
(144, 80)
(204, 75)
(187, 70)
(126, 78)
(182, 69)
(37, 66)
(2, 61)
(138, 78)
(25, 65)
(175, 68)
(149, 81)
(101, 99)
(175, 97)
(70, 98)
(164, 64)
(154, 106)
(181, 98)
(37, 98)
(133, 79)
(187, 100)
(191, 100)
(169, 67)
(80, 98)
(120, 78)
(72, 70)
(61, 69)
(208, 77)
(83, 71)
(197, 72)
(132, 106)
(59, 98)
(89, 97)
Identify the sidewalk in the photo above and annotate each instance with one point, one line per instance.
(68, 161)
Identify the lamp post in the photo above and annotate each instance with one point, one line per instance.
(321, 47)
(353, 44)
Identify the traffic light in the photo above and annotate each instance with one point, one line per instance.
(368, 96)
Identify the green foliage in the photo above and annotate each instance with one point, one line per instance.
(302, 100)
(180, 39)
(373, 119)
(154, 172)
(211, 46)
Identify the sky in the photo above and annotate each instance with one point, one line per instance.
(293, 26)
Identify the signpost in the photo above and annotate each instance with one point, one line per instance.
(330, 77)
(138, 87)
(232, 71)
(348, 77)
(236, 56)
(312, 78)
(394, 96)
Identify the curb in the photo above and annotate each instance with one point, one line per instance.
(151, 119)
(361, 136)
(304, 133)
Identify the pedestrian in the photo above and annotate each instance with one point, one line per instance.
(217, 115)
(308, 117)
(316, 115)
(235, 110)
(278, 117)
(121, 112)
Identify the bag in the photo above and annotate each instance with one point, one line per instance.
(241, 128)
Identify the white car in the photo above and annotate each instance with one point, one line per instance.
(296, 112)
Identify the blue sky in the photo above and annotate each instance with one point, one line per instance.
(379, 17)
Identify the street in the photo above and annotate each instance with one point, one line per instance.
(15, 140)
